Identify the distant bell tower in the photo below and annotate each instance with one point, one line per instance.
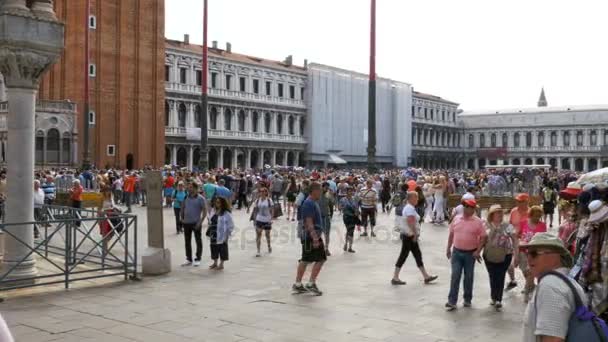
(542, 100)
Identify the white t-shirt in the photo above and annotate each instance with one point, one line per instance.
(548, 315)
(264, 210)
(409, 210)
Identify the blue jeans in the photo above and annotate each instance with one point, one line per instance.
(461, 261)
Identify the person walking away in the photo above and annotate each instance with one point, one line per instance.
(263, 220)
(220, 228)
(326, 204)
(242, 192)
(518, 215)
(193, 213)
(410, 233)
(498, 252)
(292, 191)
(49, 190)
(129, 190)
(549, 201)
(313, 250)
(76, 198)
(557, 311)
(38, 207)
(529, 228)
(427, 190)
(276, 186)
(168, 188)
(179, 195)
(466, 239)
(351, 217)
(223, 191)
(440, 191)
(143, 190)
(385, 194)
(369, 204)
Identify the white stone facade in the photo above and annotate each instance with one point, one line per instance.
(573, 138)
(256, 112)
(56, 133)
(437, 133)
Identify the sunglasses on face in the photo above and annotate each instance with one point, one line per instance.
(536, 254)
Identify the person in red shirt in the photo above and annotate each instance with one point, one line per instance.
(129, 189)
(76, 196)
(518, 215)
(168, 189)
(466, 240)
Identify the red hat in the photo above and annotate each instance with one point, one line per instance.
(571, 192)
(523, 197)
(470, 203)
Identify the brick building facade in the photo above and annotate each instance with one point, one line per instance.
(126, 78)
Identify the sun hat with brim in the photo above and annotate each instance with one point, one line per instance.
(550, 241)
(494, 208)
(523, 197)
(598, 211)
(470, 203)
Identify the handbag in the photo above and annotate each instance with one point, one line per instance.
(277, 210)
(495, 251)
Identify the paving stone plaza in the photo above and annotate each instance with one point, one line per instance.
(251, 299)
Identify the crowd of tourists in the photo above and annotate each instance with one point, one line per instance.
(560, 270)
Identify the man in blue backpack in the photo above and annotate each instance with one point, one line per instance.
(558, 310)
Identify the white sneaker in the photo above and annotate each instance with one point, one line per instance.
(196, 263)
(187, 263)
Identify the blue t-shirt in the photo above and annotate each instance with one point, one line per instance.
(178, 197)
(310, 208)
(193, 208)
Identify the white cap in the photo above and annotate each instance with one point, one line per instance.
(468, 196)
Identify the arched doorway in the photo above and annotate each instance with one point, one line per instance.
(267, 158)
(516, 161)
(592, 164)
(255, 157)
(482, 163)
(52, 146)
(290, 159)
(604, 163)
(227, 158)
(578, 164)
(240, 159)
(470, 164)
(167, 156)
(528, 161)
(301, 160)
(130, 161)
(213, 158)
(182, 157)
(66, 148)
(553, 162)
(566, 164)
(279, 158)
(540, 161)
(39, 156)
(196, 157)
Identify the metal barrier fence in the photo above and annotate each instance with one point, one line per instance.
(71, 247)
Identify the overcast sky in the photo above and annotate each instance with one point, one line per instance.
(484, 54)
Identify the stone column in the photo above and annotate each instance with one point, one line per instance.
(476, 163)
(586, 164)
(28, 48)
(173, 114)
(296, 161)
(273, 158)
(190, 115)
(296, 125)
(173, 154)
(558, 160)
(247, 159)
(44, 9)
(235, 156)
(220, 158)
(190, 157)
(572, 166)
(260, 159)
(284, 161)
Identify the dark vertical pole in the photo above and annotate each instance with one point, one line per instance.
(371, 119)
(203, 162)
(86, 160)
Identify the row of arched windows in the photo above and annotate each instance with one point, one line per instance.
(241, 118)
(525, 139)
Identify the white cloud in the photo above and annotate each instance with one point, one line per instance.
(481, 53)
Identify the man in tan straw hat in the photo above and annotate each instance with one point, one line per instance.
(547, 315)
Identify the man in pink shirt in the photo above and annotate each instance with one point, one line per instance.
(467, 238)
